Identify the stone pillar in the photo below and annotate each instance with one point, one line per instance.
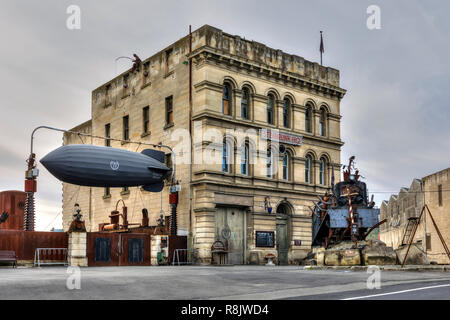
(77, 251)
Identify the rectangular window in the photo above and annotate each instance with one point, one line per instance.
(107, 95)
(146, 119)
(126, 129)
(440, 195)
(107, 191)
(169, 110)
(168, 60)
(108, 134)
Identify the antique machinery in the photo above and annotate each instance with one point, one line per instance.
(346, 214)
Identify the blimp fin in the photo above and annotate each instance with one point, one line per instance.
(155, 154)
(155, 187)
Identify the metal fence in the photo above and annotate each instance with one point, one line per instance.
(50, 256)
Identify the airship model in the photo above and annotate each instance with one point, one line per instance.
(97, 166)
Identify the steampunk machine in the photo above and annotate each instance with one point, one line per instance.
(345, 214)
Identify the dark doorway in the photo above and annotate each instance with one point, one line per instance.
(282, 221)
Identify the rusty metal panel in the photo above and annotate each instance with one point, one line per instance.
(24, 243)
(13, 203)
(113, 249)
(177, 242)
(129, 251)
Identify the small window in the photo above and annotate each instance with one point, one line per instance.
(244, 160)
(107, 191)
(270, 107)
(245, 103)
(108, 95)
(428, 241)
(308, 116)
(168, 60)
(125, 84)
(322, 172)
(126, 128)
(226, 99)
(146, 119)
(322, 122)
(286, 167)
(308, 163)
(225, 157)
(440, 195)
(169, 110)
(269, 163)
(108, 135)
(286, 113)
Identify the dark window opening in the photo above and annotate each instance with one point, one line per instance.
(169, 110)
(245, 103)
(440, 195)
(146, 119)
(226, 99)
(108, 135)
(270, 107)
(126, 129)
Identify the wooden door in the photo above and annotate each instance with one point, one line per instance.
(282, 240)
(230, 230)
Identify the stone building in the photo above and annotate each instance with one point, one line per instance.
(236, 85)
(432, 190)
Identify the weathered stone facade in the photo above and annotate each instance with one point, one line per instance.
(431, 190)
(306, 102)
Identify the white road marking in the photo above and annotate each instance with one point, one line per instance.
(397, 292)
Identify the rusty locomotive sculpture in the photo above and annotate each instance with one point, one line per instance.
(346, 214)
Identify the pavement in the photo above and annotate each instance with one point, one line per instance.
(221, 283)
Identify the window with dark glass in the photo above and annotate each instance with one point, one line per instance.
(308, 163)
(146, 119)
(107, 191)
(225, 157)
(169, 110)
(308, 116)
(322, 122)
(244, 160)
(270, 107)
(245, 103)
(226, 99)
(322, 172)
(126, 128)
(269, 163)
(108, 134)
(286, 112)
(440, 195)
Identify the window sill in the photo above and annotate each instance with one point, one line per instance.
(106, 197)
(124, 142)
(167, 126)
(145, 134)
(124, 193)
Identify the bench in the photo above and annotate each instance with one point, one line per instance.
(8, 256)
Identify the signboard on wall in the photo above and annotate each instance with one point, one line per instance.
(281, 137)
(265, 239)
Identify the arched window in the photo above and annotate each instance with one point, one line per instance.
(245, 103)
(322, 122)
(286, 113)
(226, 153)
(286, 166)
(308, 117)
(226, 99)
(308, 165)
(270, 109)
(269, 163)
(322, 169)
(244, 160)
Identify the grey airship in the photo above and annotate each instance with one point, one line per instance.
(96, 166)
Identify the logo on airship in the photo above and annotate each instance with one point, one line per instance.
(114, 165)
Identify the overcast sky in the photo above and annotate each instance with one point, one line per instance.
(395, 113)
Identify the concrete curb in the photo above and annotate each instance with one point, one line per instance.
(441, 268)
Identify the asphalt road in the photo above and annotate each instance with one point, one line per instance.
(208, 282)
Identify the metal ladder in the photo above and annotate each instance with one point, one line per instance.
(410, 229)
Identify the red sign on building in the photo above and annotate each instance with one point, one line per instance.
(281, 137)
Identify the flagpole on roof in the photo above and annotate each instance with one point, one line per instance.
(322, 50)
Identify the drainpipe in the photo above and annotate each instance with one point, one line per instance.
(190, 134)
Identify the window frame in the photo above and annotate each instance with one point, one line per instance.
(108, 135)
(227, 96)
(245, 103)
(146, 119)
(169, 110)
(270, 108)
(126, 128)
